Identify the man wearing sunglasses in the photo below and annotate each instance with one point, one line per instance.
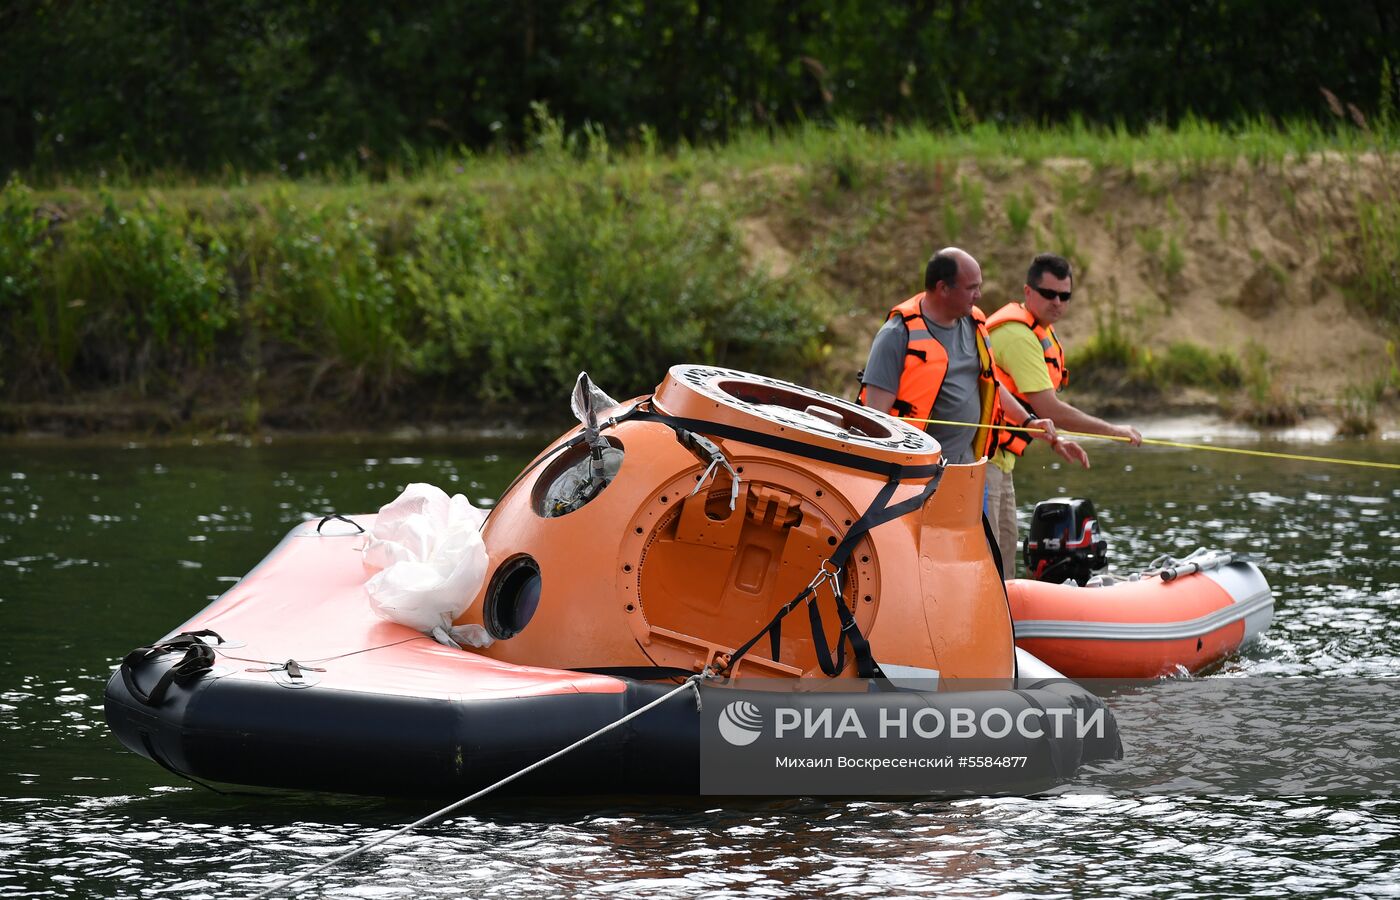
(1031, 364)
(932, 359)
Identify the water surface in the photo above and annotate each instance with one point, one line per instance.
(103, 548)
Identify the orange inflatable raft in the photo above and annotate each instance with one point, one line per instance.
(1180, 616)
(729, 524)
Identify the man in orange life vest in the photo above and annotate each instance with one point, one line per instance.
(1030, 362)
(932, 359)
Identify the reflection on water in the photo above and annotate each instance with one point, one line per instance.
(103, 549)
(198, 845)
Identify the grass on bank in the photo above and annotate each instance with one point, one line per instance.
(492, 297)
(494, 279)
(847, 151)
(1359, 402)
(1111, 362)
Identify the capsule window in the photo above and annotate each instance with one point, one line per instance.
(574, 478)
(513, 597)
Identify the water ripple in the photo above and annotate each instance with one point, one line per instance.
(104, 551)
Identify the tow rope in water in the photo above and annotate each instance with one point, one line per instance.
(1156, 442)
(691, 683)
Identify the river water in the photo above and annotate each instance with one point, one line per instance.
(106, 547)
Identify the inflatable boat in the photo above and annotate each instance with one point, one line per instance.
(1180, 616)
(664, 538)
(1162, 622)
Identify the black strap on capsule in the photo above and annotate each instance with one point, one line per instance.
(880, 512)
(994, 546)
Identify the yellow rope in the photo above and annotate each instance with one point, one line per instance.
(1160, 443)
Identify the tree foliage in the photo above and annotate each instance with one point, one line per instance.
(264, 85)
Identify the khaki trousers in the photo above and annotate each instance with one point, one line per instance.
(1001, 512)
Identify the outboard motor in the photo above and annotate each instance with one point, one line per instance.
(1064, 542)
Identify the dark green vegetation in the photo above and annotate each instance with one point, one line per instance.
(484, 284)
(143, 86)
(1111, 361)
(236, 214)
(459, 294)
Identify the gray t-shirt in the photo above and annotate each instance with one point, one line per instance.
(957, 399)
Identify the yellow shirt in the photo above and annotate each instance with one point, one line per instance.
(1018, 351)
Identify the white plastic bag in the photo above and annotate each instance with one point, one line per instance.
(430, 562)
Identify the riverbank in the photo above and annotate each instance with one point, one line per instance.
(1251, 273)
(56, 427)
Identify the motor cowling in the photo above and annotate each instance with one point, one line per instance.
(1064, 542)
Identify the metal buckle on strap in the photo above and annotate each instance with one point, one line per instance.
(828, 572)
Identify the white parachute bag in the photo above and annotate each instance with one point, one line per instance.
(429, 562)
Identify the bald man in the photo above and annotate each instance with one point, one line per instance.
(932, 359)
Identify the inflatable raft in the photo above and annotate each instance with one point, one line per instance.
(1181, 616)
(665, 537)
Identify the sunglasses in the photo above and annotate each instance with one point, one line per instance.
(1051, 295)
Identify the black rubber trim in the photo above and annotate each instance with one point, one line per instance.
(243, 731)
(995, 547)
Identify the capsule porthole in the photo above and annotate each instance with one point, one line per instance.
(513, 597)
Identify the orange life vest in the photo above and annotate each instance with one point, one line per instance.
(926, 364)
(1017, 442)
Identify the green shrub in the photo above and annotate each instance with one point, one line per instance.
(21, 262)
(326, 290)
(1378, 233)
(21, 234)
(1265, 402)
(619, 280)
(1018, 212)
(1191, 365)
(1357, 414)
(1110, 360)
(133, 290)
(591, 268)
